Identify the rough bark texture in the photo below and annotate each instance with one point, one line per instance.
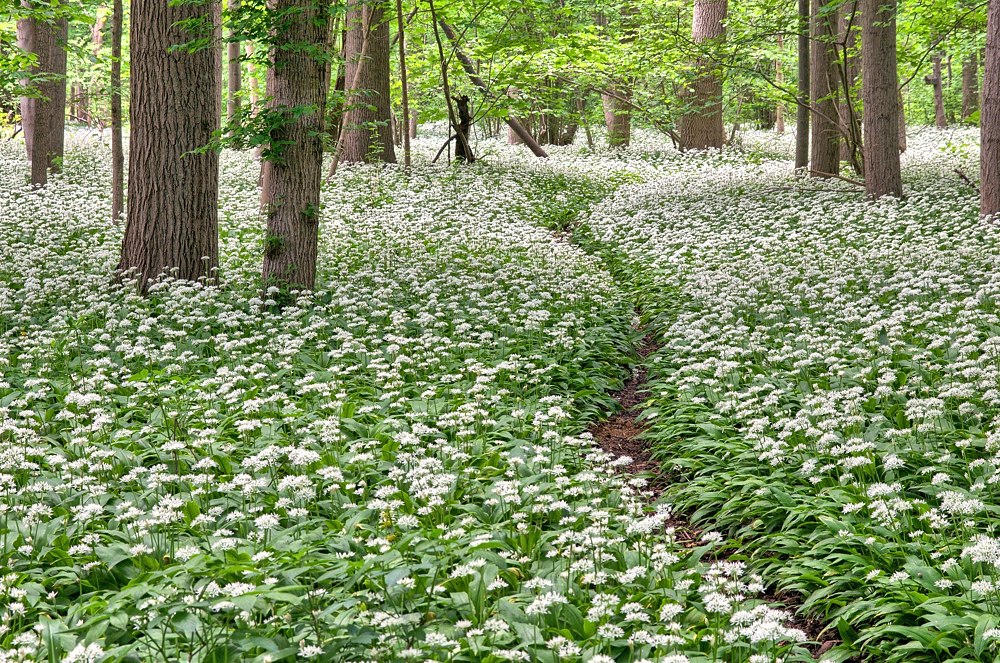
(701, 126)
(802, 108)
(617, 117)
(173, 190)
(292, 174)
(989, 174)
(463, 151)
(940, 119)
(880, 94)
(43, 117)
(824, 81)
(117, 151)
(235, 75)
(367, 130)
(970, 86)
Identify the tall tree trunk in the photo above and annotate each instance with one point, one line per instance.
(701, 125)
(849, 31)
(824, 77)
(117, 151)
(173, 189)
(235, 75)
(989, 174)
(617, 116)
(902, 121)
(252, 75)
(43, 117)
(366, 129)
(802, 112)
(940, 119)
(404, 81)
(970, 86)
(779, 79)
(292, 173)
(880, 92)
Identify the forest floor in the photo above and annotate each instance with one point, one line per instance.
(735, 417)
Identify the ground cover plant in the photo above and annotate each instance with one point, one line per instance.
(392, 467)
(826, 394)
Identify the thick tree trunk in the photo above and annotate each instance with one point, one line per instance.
(174, 109)
(824, 79)
(43, 117)
(701, 125)
(940, 119)
(463, 151)
(235, 75)
(802, 112)
(367, 130)
(970, 86)
(117, 151)
(292, 174)
(880, 93)
(989, 174)
(617, 117)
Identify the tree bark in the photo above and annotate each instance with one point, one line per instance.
(880, 89)
(901, 121)
(849, 31)
(779, 79)
(989, 174)
(404, 81)
(970, 86)
(701, 125)
(292, 172)
(235, 75)
(824, 79)
(43, 117)
(367, 131)
(803, 92)
(940, 119)
(252, 75)
(173, 187)
(617, 117)
(117, 151)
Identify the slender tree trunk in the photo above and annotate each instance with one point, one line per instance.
(989, 174)
(849, 31)
(174, 109)
(117, 151)
(802, 112)
(367, 131)
(470, 69)
(252, 77)
(779, 79)
(292, 173)
(824, 78)
(701, 125)
(405, 130)
(235, 75)
(880, 92)
(940, 119)
(970, 86)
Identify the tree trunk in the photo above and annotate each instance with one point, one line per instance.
(235, 75)
(970, 86)
(463, 151)
(824, 78)
(292, 172)
(901, 121)
(117, 151)
(470, 69)
(940, 119)
(849, 31)
(779, 79)
(367, 130)
(617, 117)
(701, 125)
(43, 117)
(880, 93)
(404, 82)
(413, 124)
(989, 174)
(802, 112)
(174, 109)
(252, 75)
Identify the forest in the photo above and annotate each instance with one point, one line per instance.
(597, 331)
